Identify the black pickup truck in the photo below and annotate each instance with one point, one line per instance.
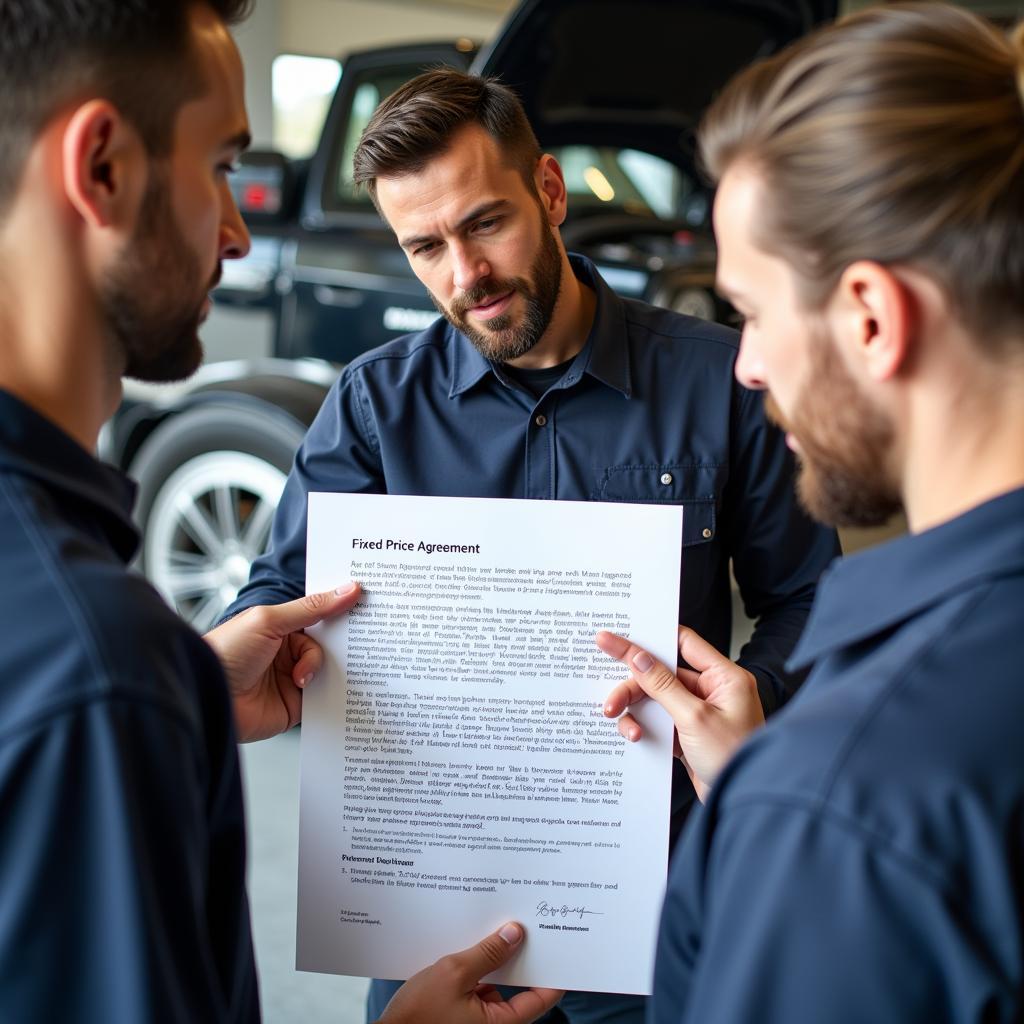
(614, 89)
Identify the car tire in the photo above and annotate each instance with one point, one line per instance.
(210, 479)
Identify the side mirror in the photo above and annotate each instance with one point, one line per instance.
(264, 187)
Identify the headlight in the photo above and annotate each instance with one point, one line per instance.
(698, 302)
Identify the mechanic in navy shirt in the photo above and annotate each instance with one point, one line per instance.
(122, 852)
(862, 858)
(540, 382)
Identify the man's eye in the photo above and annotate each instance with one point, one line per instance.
(231, 167)
(487, 225)
(424, 250)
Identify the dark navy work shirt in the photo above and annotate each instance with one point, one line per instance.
(862, 858)
(122, 848)
(648, 411)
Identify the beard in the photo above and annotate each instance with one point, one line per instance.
(501, 339)
(152, 298)
(844, 442)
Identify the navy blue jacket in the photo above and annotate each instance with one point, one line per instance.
(648, 411)
(862, 858)
(122, 847)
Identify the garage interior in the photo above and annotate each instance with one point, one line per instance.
(325, 28)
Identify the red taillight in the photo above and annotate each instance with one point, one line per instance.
(255, 197)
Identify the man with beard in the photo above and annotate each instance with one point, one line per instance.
(862, 857)
(540, 382)
(122, 853)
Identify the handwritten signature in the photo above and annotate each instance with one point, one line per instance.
(544, 909)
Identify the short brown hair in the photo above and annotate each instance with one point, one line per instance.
(896, 135)
(418, 121)
(135, 53)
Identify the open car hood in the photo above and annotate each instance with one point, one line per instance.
(635, 73)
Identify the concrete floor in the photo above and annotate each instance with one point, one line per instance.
(271, 772)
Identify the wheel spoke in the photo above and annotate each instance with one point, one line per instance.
(187, 560)
(185, 583)
(196, 523)
(257, 528)
(207, 613)
(226, 511)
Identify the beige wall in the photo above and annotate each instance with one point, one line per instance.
(333, 27)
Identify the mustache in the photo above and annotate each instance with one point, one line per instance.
(479, 295)
(774, 413)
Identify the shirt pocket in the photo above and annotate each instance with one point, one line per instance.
(695, 486)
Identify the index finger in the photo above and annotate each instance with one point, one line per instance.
(655, 679)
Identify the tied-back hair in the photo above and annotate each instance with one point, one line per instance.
(895, 135)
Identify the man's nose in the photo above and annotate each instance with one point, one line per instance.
(469, 267)
(750, 371)
(234, 235)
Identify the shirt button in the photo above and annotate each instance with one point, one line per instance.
(541, 420)
(707, 533)
(666, 478)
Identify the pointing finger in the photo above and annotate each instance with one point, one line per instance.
(656, 680)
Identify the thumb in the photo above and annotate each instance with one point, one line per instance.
(282, 619)
(490, 953)
(697, 652)
(659, 682)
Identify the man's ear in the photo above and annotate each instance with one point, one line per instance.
(550, 184)
(876, 317)
(102, 159)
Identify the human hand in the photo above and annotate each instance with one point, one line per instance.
(450, 990)
(268, 659)
(713, 703)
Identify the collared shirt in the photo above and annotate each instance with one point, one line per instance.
(122, 848)
(648, 411)
(862, 858)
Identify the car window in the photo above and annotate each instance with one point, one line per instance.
(598, 178)
(622, 181)
(373, 87)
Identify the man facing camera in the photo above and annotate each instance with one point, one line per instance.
(540, 382)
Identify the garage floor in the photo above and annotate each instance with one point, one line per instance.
(271, 771)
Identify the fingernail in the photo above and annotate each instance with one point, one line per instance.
(643, 661)
(608, 709)
(512, 934)
(306, 680)
(634, 735)
(346, 589)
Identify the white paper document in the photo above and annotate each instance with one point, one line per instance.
(457, 771)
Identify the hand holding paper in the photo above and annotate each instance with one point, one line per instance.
(268, 659)
(714, 704)
(450, 989)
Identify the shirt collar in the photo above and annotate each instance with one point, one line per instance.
(33, 446)
(868, 593)
(605, 356)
